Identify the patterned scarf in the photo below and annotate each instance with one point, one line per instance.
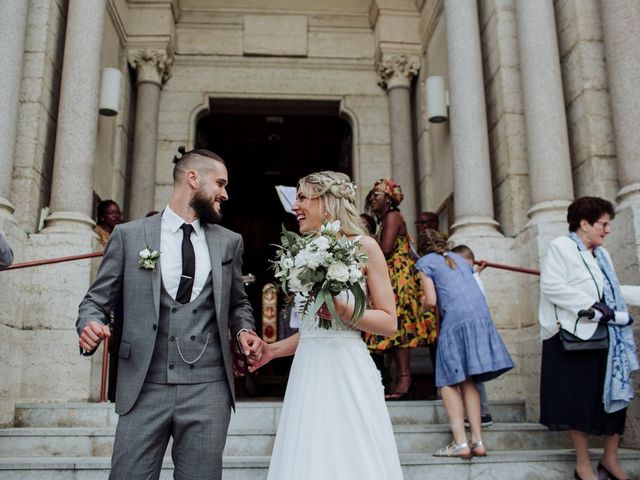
(622, 358)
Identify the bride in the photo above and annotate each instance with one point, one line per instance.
(335, 423)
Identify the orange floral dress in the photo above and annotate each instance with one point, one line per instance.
(415, 328)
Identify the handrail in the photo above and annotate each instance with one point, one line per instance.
(104, 377)
(511, 268)
(105, 346)
(49, 261)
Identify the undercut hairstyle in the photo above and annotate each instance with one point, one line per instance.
(198, 159)
(464, 252)
(589, 209)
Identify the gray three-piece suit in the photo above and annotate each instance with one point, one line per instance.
(174, 371)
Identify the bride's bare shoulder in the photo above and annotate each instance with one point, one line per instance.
(369, 245)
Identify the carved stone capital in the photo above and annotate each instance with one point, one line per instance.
(152, 64)
(397, 70)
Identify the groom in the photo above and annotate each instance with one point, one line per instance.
(179, 274)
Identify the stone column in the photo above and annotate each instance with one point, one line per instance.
(621, 28)
(76, 135)
(473, 193)
(396, 73)
(13, 25)
(153, 68)
(544, 112)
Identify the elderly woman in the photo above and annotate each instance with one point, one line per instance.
(585, 392)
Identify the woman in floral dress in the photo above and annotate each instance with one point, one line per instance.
(415, 328)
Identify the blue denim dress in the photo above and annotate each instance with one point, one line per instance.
(468, 343)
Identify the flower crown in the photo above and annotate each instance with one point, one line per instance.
(341, 183)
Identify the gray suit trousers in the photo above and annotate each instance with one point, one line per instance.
(196, 416)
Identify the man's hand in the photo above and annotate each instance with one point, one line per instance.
(92, 335)
(252, 346)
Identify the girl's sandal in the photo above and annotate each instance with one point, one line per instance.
(478, 449)
(460, 450)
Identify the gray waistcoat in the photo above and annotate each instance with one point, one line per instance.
(180, 355)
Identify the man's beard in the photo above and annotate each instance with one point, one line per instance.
(203, 207)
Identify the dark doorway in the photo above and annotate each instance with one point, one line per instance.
(267, 143)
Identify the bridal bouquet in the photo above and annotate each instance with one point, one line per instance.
(320, 266)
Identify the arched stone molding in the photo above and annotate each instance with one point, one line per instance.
(351, 109)
(351, 118)
(197, 113)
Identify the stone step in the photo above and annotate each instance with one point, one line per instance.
(522, 465)
(88, 442)
(250, 414)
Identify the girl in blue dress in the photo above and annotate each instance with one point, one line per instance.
(470, 349)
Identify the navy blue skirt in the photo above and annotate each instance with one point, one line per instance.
(571, 387)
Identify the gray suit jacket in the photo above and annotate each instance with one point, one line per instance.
(119, 274)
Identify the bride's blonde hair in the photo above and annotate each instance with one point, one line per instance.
(337, 195)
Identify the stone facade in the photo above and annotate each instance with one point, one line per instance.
(492, 184)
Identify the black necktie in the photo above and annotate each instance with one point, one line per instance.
(188, 265)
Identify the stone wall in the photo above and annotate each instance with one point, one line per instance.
(624, 246)
(433, 143)
(586, 97)
(510, 172)
(35, 141)
(337, 64)
(37, 115)
(115, 133)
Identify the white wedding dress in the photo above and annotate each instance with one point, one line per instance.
(334, 423)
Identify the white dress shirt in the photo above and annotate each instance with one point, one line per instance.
(171, 253)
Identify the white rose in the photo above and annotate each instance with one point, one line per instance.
(310, 260)
(144, 254)
(295, 285)
(321, 243)
(354, 274)
(286, 263)
(338, 271)
(301, 259)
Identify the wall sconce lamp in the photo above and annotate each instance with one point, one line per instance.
(437, 99)
(110, 92)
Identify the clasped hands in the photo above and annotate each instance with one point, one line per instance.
(252, 346)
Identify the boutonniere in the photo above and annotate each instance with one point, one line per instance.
(148, 258)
